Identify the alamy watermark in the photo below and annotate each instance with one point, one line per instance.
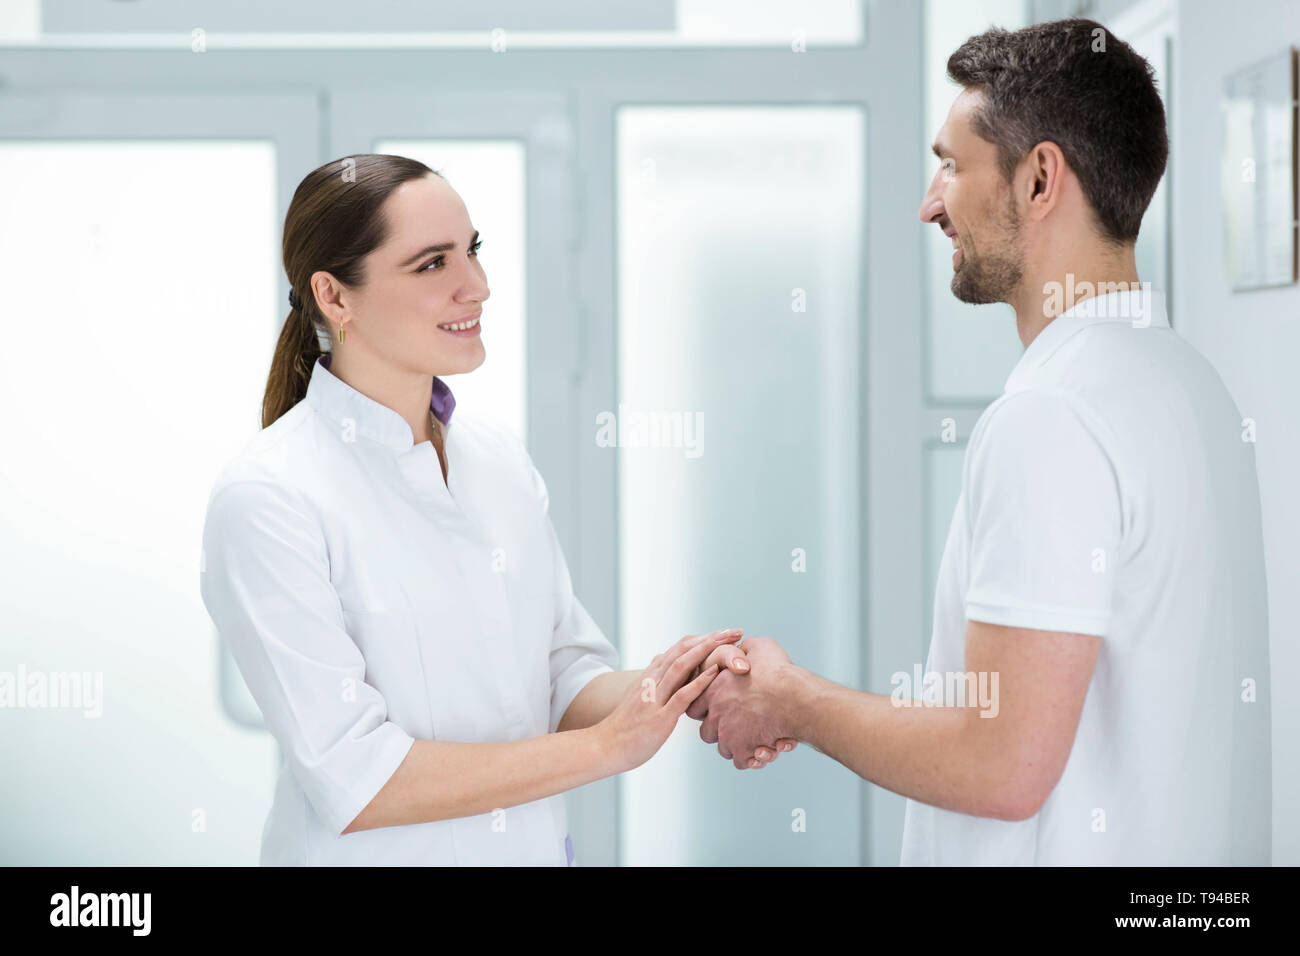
(53, 690)
(75, 908)
(1058, 298)
(946, 689)
(631, 428)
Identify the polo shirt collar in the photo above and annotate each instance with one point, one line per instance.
(340, 402)
(1142, 308)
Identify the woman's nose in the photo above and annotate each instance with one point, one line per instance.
(475, 288)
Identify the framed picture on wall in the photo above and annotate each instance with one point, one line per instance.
(1259, 174)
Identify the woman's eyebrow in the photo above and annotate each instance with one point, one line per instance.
(439, 247)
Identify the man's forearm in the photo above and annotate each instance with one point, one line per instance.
(948, 757)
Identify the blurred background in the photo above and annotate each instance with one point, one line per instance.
(704, 208)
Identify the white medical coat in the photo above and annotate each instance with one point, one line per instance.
(369, 604)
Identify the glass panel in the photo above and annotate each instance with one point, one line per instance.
(489, 176)
(942, 466)
(969, 350)
(739, 234)
(142, 315)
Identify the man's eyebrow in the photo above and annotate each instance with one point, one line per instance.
(939, 149)
(438, 247)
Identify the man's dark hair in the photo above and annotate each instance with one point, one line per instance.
(1074, 83)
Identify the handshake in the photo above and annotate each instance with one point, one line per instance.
(735, 692)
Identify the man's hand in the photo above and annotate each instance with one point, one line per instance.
(732, 657)
(744, 714)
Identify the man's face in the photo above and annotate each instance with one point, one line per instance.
(975, 206)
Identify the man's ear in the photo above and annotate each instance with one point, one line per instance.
(1042, 180)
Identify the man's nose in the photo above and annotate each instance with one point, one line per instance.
(932, 203)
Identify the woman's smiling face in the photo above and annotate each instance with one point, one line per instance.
(424, 289)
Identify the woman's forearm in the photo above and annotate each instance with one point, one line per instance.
(597, 699)
(440, 779)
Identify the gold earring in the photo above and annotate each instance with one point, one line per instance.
(340, 332)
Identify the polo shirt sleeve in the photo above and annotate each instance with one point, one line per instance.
(265, 582)
(1044, 517)
(579, 649)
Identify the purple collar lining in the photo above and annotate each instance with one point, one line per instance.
(441, 402)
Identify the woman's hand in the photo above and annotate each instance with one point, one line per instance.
(732, 657)
(727, 656)
(648, 711)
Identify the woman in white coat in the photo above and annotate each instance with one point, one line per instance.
(386, 574)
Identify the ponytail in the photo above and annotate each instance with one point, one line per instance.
(291, 366)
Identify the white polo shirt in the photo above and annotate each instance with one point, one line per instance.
(368, 605)
(1109, 491)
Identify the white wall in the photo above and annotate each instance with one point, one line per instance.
(1253, 338)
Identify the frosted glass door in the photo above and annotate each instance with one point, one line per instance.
(139, 252)
(736, 431)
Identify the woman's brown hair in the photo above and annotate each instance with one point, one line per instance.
(334, 221)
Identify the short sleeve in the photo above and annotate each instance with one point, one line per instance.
(265, 583)
(1044, 517)
(579, 649)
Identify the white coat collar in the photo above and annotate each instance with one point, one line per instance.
(342, 404)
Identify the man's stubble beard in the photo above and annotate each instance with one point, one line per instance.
(993, 275)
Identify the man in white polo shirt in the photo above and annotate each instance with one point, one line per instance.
(1100, 627)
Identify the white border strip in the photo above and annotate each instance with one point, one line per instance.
(476, 40)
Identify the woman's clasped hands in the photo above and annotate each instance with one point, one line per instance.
(646, 714)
